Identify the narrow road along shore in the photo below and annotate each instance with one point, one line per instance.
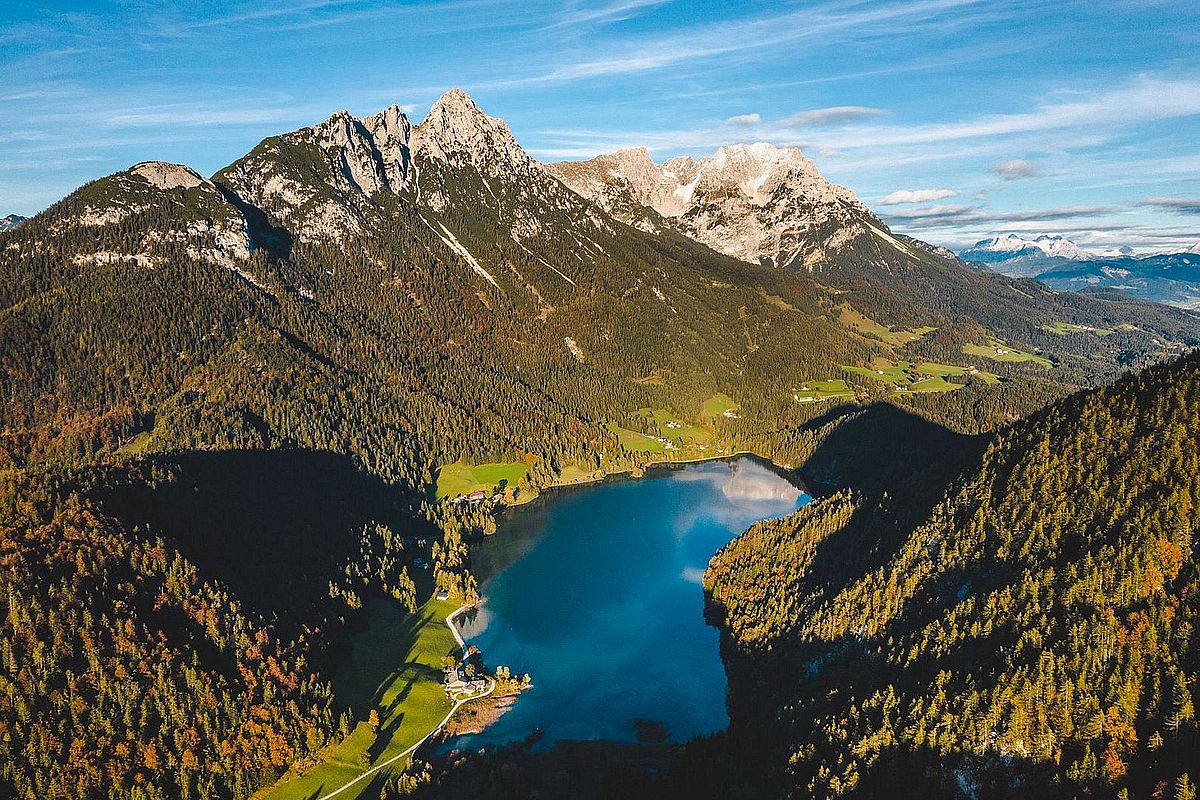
(457, 705)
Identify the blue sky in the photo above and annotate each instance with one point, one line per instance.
(954, 119)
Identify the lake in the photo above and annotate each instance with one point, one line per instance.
(596, 592)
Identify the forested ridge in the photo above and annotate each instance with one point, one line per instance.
(219, 432)
(1036, 634)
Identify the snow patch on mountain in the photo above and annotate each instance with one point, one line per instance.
(1011, 245)
(11, 221)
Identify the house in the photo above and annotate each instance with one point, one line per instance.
(442, 594)
(477, 495)
(674, 424)
(455, 682)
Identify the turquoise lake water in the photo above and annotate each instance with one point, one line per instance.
(596, 592)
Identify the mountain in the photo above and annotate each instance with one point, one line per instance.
(1173, 278)
(755, 202)
(128, 216)
(1031, 632)
(1061, 264)
(10, 222)
(1010, 254)
(769, 205)
(229, 402)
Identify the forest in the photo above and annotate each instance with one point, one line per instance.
(207, 464)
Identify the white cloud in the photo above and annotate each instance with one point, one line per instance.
(915, 196)
(744, 119)
(1014, 169)
(830, 116)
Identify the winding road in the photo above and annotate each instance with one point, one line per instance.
(458, 704)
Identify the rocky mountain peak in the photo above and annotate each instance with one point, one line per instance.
(391, 132)
(455, 101)
(752, 201)
(352, 143)
(458, 132)
(165, 175)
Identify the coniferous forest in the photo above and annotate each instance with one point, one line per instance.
(210, 461)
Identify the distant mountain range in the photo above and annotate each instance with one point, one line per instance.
(10, 222)
(1020, 256)
(1170, 278)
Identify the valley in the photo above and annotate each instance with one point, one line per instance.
(263, 430)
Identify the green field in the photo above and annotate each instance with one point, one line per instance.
(394, 667)
(823, 390)
(899, 373)
(717, 405)
(675, 429)
(925, 377)
(943, 370)
(682, 434)
(934, 384)
(861, 323)
(632, 440)
(1063, 328)
(459, 478)
(999, 351)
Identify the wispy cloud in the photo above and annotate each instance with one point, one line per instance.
(1179, 205)
(759, 34)
(608, 12)
(744, 119)
(1014, 169)
(833, 115)
(190, 116)
(1142, 100)
(901, 196)
(255, 12)
(934, 216)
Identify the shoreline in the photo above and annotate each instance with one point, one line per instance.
(457, 704)
(785, 471)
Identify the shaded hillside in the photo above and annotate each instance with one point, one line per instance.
(1035, 634)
